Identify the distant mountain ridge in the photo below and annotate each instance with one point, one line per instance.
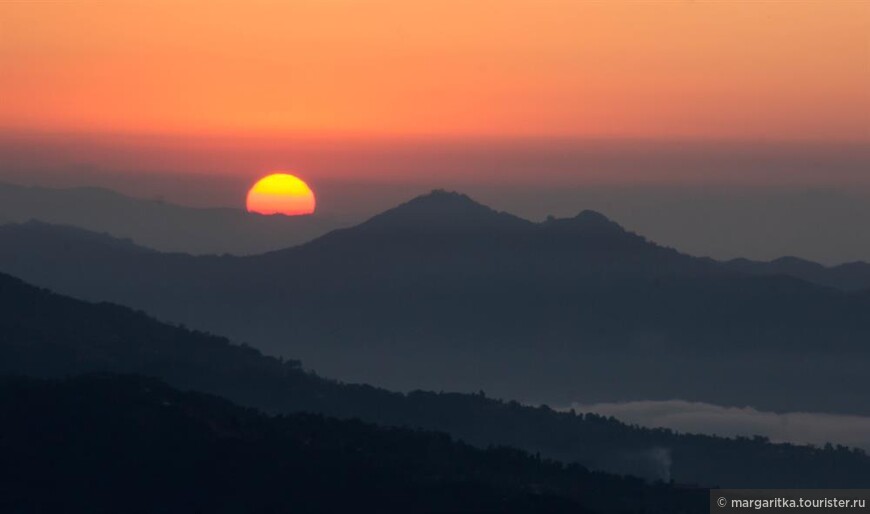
(38, 233)
(444, 209)
(160, 225)
(427, 224)
(173, 228)
(852, 276)
(543, 312)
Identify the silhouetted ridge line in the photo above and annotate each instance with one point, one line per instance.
(105, 443)
(48, 335)
(590, 223)
(446, 210)
(594, 220)
(161, 225)
(546, 312)
(40, 232)
(852, 276)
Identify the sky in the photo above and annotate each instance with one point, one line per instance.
(507, 68)
(723, 128)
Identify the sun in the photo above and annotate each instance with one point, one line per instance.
(281, 193)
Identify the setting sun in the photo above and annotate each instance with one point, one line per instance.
(281, 193)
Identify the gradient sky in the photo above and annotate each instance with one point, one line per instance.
(654, 70)
(731, 128)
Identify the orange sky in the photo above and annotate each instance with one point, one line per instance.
(780, 70)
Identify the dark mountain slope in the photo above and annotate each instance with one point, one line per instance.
(444, 293)
(46, 335)
(450, 226)
(126, 444)
(443, 211)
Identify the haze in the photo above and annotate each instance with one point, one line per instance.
(760, 200)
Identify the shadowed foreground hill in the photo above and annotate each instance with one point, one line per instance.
(444, 293)
(47, 335)
(126, 444)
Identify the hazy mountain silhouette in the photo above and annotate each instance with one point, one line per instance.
(173, 228)
(157, 224)
(444, 293)
(107, 443)
(853, 276)
(443, 210)
(448, 232)
(47, 335)
(47, 237)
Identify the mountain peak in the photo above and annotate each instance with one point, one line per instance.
(792, 262)
(444, 199)
(594, 218)
(586, 221)
(444, 209)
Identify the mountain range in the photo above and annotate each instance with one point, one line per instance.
(169, 227)
(49, 336)
(444, 293)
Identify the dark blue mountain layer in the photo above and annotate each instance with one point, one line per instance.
(47, 335)
(445, 293)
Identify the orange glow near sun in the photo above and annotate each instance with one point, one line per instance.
(393, 68)
(281, 193)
